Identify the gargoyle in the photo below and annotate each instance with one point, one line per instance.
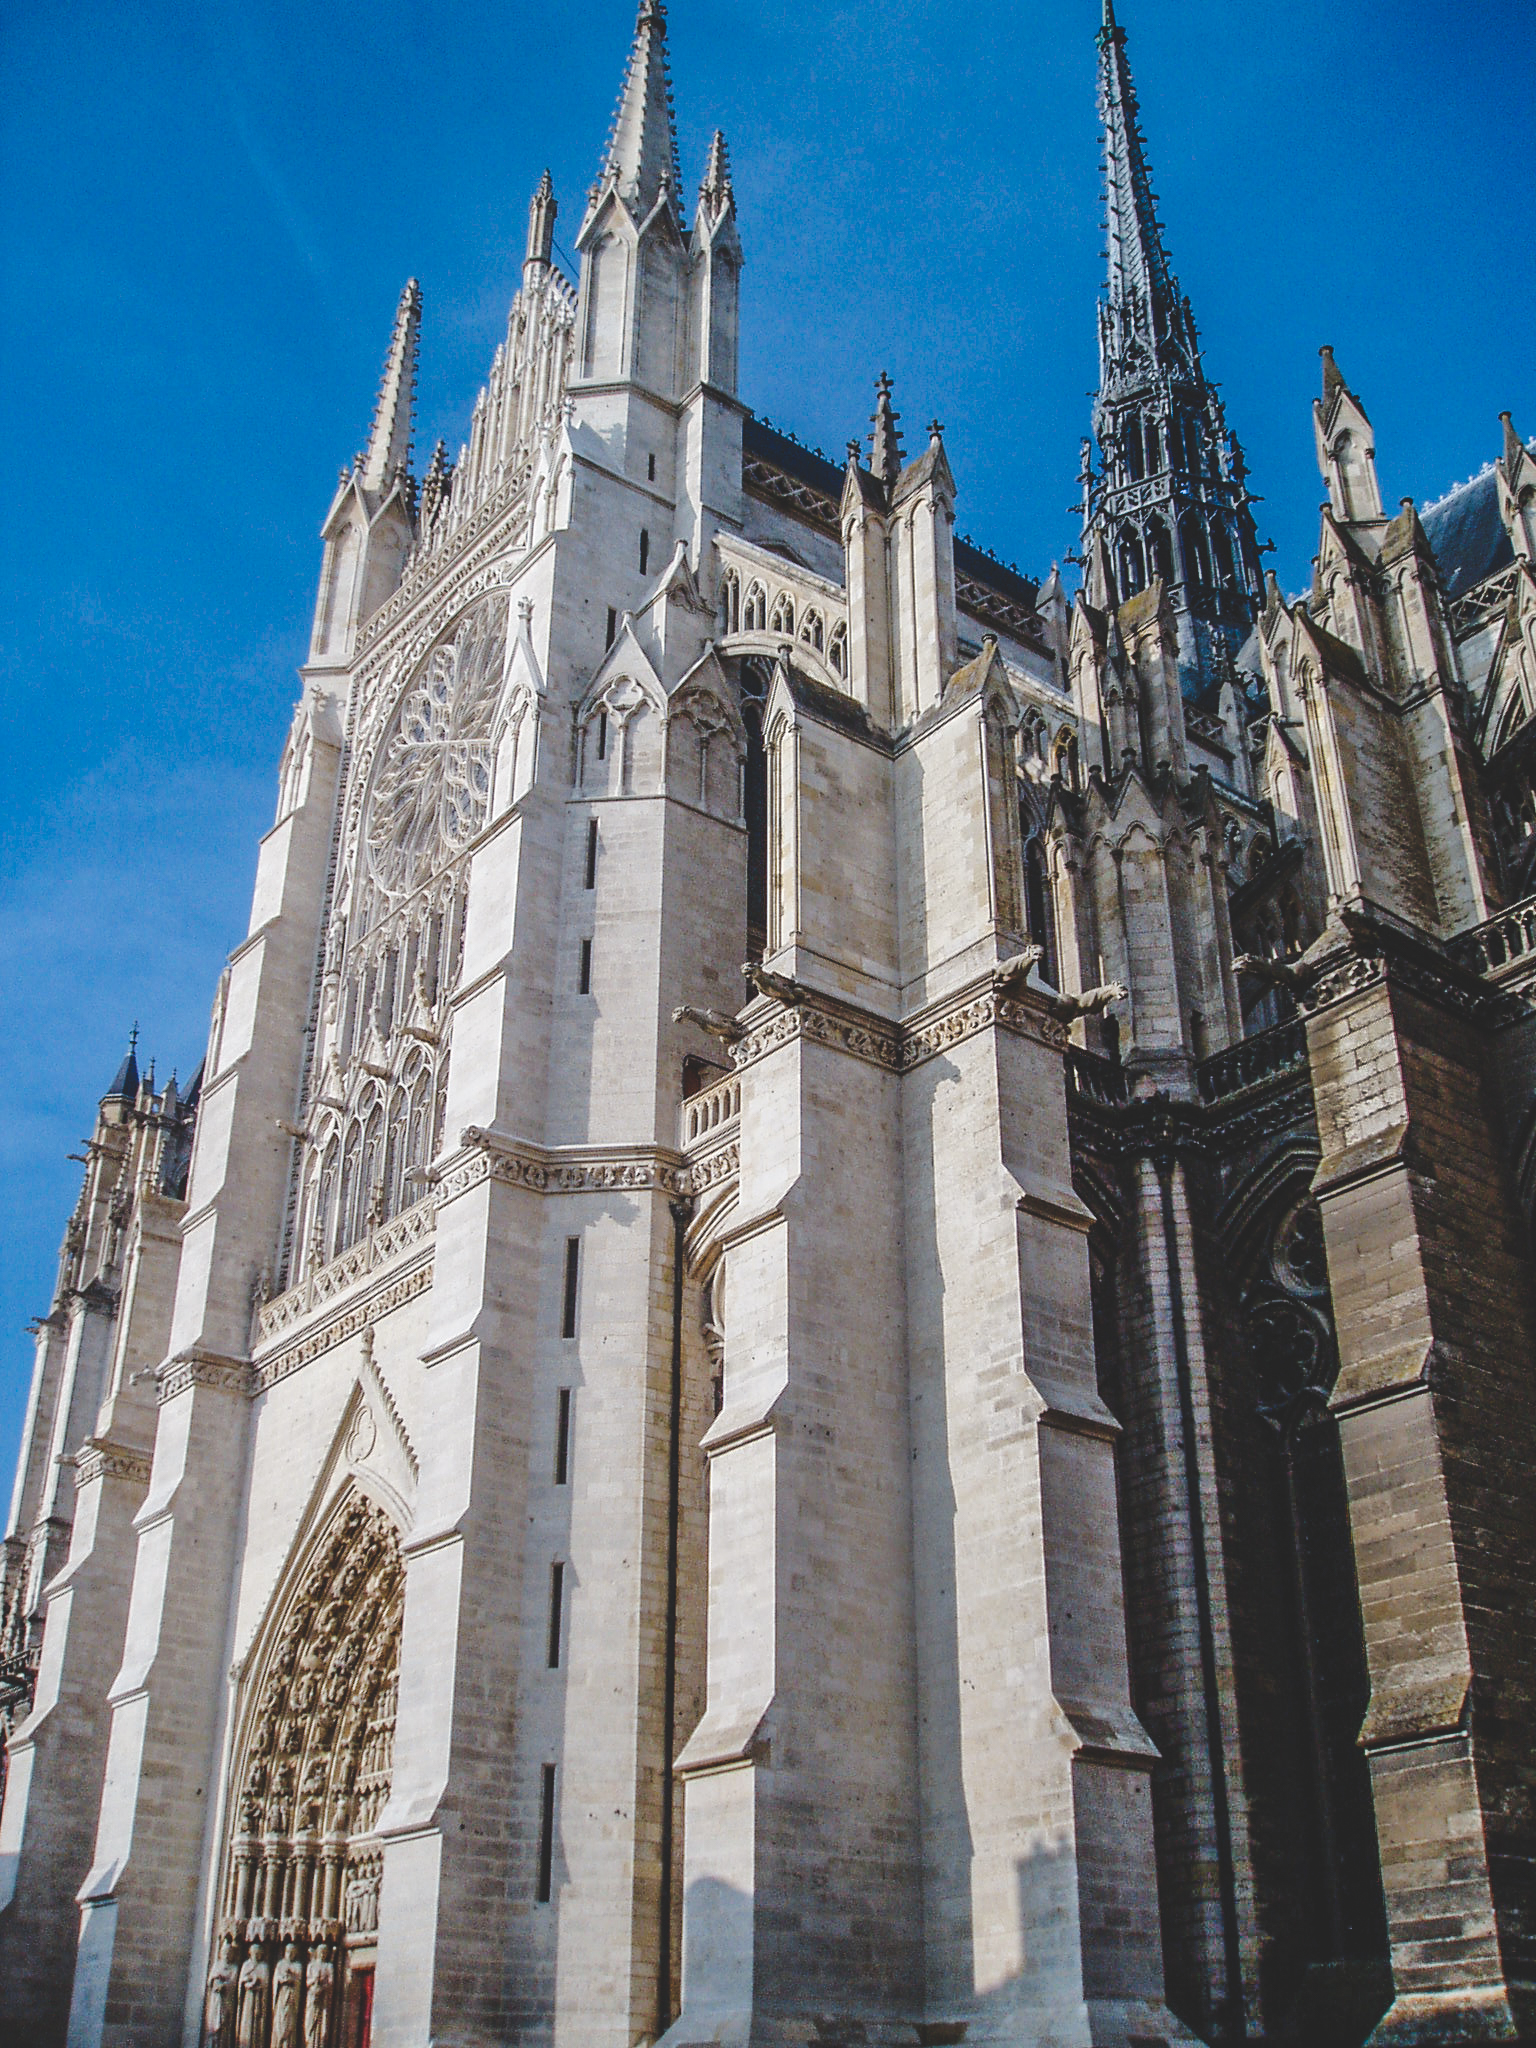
(1092, 1002)
(1009, 976)
(770, 984)
(1286, 974)
(715, 1022)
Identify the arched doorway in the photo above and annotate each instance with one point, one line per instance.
(297, 1935)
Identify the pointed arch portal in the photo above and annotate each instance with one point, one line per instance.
(297, 1934)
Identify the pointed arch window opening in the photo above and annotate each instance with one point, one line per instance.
(1289, 1320)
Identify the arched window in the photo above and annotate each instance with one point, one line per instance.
(1132, 562)
(1197, 560)
(1037, 905)
(813, 629)
(1317, 1648)
(754, 609)
(755, 676)
(1160, 549)
(837, 650)
(730, 603)
(1135, 459)
(783, 620)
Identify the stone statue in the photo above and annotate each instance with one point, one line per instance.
(251, 2011)
(219, 2004)
(287, 1998)
(320, 1985)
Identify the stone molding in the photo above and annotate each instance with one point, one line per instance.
(1374, 948)
(100, 1458)
(359, 1315)
(411, 1227)
(562, 1170)
(897, 1048)
(203, 1369)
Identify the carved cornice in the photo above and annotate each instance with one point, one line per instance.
(567, 1170)
(222, 1375)
(898, 1048)
(359, 1314)
(385, 1247)
(100, 1458)
(1373, 949)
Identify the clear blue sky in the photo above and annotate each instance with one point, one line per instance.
(208, 213)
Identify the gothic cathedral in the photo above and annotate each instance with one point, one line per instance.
(838, 1345)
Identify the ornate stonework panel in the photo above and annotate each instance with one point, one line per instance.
(432, 779)
(299, 1907)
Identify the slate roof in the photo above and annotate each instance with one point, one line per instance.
(1468, 535)
(824, 480)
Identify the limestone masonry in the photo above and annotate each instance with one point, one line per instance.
(967, 1481)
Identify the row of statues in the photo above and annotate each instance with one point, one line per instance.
(286, 2002)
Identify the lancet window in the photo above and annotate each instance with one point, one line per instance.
(297, 1930)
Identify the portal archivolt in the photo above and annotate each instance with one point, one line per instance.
(296, 1938)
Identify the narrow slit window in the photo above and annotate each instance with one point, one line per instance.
(572, 1266)
(546, 1836)
(650, 467)
(584, 986)
(645, 550)
(591, 870)
(602, 735)
(563, 1437)
(613, 627)
(556, 1614)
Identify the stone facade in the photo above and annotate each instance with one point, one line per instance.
(966, 1479)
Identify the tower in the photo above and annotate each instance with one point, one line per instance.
(1169, 499)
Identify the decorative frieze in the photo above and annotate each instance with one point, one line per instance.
(977, 1007)
(384, 1247)
(491, 1155)
(203, 1369)
(359, 1315)
(100, 1458)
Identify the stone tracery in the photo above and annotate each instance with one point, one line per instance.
(379, 1083)
(299, 1909)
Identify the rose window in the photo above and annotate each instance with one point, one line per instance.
(432, 786)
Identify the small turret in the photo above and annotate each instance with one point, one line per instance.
(716, 192)
(716, 286)
(541, 227)
(125, 1082)
(885, 443)
(632, 330)
(1346, 448)
(370, 527)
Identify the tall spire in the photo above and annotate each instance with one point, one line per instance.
(1170, 500)
(1144, 297)
(389, 445)
(642, 149)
